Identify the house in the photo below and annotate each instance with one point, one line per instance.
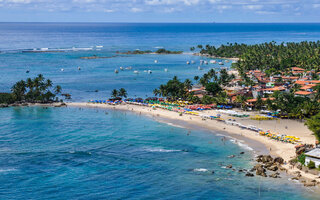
(272, 90)
(297, 70)
(304, 94)
(314, 156)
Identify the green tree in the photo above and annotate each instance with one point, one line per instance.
(114, 93)
(313, 124)
(122, 93)
(213, 88)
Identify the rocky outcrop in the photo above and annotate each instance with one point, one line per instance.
(249, 174)
(278, 160)
(275, 175)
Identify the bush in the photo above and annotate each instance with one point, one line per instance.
(6, 98)
(302, 158)
(311, 165)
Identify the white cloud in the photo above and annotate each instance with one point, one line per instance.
(136, 10)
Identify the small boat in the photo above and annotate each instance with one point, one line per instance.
(62, 69)
(155, 61)
(199, 68)
(221, 63)
(149, 72)
(206, 62)
(201, 62)
(128, 68)
(27, 71)
(136, 72)
(116, 71)
(192, 62)
(145, 71)
(188, 63)
(166, 70)
(213, 61)
(121, 68)
(227, 61)
(79, 68)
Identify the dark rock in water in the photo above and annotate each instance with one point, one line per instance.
(96, 91)
(27, 71)
(309, 184)
(273, 168)
(275, 175)
(212, 172)
(242, 152)
(278, 160)
(249, 174)
(260, 171)
(229, 166)
(240, 170)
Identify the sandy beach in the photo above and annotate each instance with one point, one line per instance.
(275, 148)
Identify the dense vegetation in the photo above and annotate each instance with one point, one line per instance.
(314, 125)
(175, 89)
(159, 51)
(269, 57)
(36, 90)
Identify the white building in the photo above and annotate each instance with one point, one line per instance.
(313, 155)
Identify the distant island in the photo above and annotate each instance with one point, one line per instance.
(159, 51)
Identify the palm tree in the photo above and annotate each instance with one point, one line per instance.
(57, 89)
(122, 93)
(114, 93)
(18, 90)
(188, 84)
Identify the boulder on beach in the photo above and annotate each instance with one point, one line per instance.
(278, 160)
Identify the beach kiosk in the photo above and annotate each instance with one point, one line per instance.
(313, 155)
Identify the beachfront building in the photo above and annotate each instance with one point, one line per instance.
(314, 156)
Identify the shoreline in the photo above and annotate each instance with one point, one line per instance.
(214, 57)
(259, 144)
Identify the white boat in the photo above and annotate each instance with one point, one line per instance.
(221, 63)
(188, 63)
(192, 62)
(62, 69)
(79, 68)
(149, 72)
(99, 46)
(128, 68)
(205, 62)
(199, 68)
(116, 71)
(155, 61)
(145, 71)
(121, 68)
(166, 70)
(213, 61)
(136, 72)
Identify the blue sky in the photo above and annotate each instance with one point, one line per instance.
(160, 10)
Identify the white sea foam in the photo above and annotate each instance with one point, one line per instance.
(161, 150)
(175, 125)
(158, 47)
(200, 170)
(7, 170)
(241, 144)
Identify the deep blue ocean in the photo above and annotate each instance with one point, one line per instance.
(72, 153)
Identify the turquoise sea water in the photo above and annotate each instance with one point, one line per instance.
(71, 153)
